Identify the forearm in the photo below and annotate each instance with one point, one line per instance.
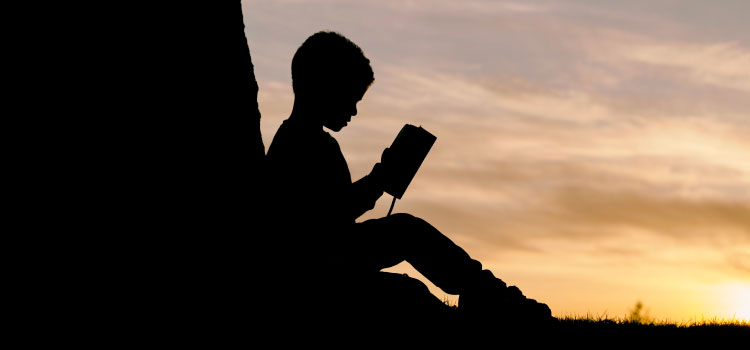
(362, 196)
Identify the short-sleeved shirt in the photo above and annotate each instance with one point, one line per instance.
(309, 183)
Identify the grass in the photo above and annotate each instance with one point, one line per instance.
(636, 326)
(649, 322)
(649, 331)
(456, 330)
(637, 317)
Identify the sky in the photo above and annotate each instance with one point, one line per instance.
(593, 153)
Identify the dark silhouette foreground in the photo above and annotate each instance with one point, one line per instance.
(145, 163)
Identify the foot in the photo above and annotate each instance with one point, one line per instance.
(490, 298)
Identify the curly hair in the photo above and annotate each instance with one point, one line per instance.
(328, 59)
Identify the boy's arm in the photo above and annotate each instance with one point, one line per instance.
(312, 195)
(367, 190)
(364, 193)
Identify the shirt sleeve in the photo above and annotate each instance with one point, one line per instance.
(312, 182)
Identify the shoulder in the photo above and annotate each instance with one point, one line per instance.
(286, 136)
(293, 144)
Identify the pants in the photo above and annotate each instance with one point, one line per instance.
(385, 242)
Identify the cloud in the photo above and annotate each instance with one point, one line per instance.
(466, 7)
(550, 197)
(721, 64)
(740, 260)
(679, 218)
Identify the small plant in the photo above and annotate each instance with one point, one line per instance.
(637, 315)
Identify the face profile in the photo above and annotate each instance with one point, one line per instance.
(330, 74)
(339, 108)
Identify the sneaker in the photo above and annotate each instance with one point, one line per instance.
(490, 298)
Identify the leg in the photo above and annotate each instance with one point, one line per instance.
(390, 240)
(385, 242)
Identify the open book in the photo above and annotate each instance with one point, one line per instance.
(404, 158)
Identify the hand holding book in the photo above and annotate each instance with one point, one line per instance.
(400, 162)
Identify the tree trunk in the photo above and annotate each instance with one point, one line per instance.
(148, 181)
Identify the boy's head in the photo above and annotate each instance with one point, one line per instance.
(331, 74)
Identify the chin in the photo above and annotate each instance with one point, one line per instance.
(335, 128)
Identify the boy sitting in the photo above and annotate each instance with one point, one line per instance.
(316, 203)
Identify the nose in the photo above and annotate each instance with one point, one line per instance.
(354, 110)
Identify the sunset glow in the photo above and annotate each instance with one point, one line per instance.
(595, 154)
(738, 301)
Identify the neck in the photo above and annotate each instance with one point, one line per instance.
(303, 115)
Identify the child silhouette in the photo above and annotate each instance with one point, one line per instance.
(316, 203)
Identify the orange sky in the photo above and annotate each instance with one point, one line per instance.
(593, 153)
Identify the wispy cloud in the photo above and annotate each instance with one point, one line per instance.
(467, 7)
(739, 259)
(721, 64)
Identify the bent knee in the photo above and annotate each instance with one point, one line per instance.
(401, 216)
(404, 218)
(409, 221)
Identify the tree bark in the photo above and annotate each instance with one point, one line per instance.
(148, 179)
